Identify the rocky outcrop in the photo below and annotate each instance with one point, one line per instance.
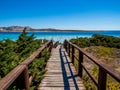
(14, 28)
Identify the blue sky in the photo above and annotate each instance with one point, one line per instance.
(61, 14)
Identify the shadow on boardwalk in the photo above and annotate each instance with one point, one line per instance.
(66, 77)
(61, 74)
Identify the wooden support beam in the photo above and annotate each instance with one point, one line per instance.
(102, 79)
(69, 50)
(73, 51)
(80, 68)
(22, 81)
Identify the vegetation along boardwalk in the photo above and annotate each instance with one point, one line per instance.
(61, 74)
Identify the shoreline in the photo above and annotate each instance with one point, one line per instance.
(54, 31)
(42, 30)
(56, 36)
(63, 31)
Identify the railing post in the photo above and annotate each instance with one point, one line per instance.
(73, 54)
(102, 78)
(26, 76)
(80, 68)
(69, 50)
(65, 45)
(51, 46)
(23, 80)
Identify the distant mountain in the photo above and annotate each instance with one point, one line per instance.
(21, 28)
(14, 28)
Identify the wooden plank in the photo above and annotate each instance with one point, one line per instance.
(61, 74)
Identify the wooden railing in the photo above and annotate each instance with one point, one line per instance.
(104, 69)
(19, 75)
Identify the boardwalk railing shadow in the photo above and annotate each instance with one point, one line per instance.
(64, 60)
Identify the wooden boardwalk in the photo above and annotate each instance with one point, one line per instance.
(61, 74)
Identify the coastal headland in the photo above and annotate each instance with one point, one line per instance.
(29, 29)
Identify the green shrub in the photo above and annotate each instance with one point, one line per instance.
(98, 40)
(38, 68)
(14, 52)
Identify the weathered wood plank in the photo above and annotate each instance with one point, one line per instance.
(61, 74)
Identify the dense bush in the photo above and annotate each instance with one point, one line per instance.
(106, 49)
(14, 52)
(37, 67)
(98, 40)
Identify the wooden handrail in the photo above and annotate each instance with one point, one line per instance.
(35, 54)
(104, 69)
(20, 73)
(11, 77)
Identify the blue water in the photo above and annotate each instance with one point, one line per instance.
(57, 36)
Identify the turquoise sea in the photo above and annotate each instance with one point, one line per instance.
(57, 36)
